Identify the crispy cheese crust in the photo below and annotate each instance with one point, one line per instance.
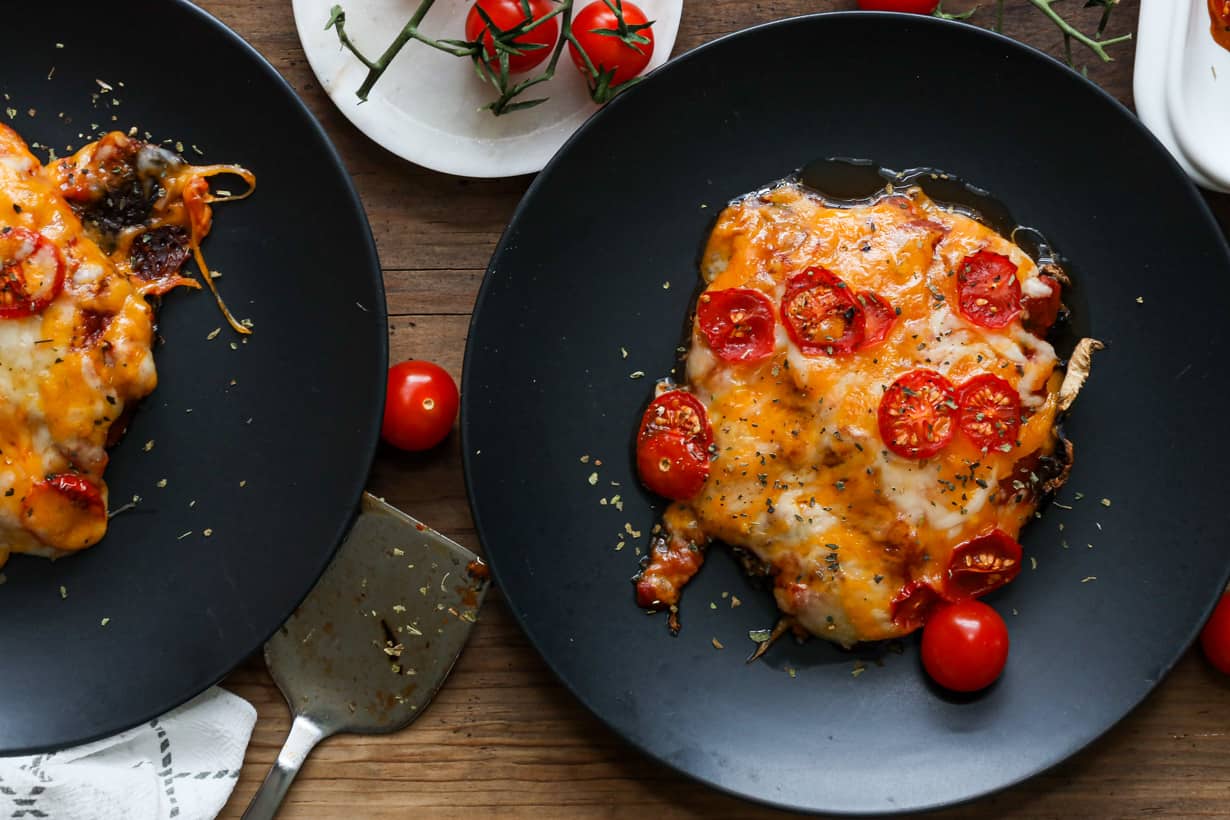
(801, 477)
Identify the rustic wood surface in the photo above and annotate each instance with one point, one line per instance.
(503, 738)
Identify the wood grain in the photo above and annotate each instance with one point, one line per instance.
(503, 738)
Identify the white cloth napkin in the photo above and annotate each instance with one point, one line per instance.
(182, 765)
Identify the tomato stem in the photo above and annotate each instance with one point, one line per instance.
(1072, 33)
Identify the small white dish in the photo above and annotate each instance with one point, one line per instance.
(1182, 88)
(427, 107)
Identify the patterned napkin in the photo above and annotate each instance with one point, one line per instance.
(182, 765)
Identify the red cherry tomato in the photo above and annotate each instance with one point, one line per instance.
(988, 292)
(738, 324)
(982, 564)
(598, 31)
(990, 413)
(1038, 313)
(913, 605)
(420, 406)
(911, 6)
(965, 646)
(821, 314)
(534, 45)
(1215, 637)
(879, 317)
(917, 414)
(31, 272)
(672, 448)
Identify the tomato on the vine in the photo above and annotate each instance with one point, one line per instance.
(617, 39)
(910, 6)
(1215, 637)
(965, 646)
(672, 449)
(420, 406)
(533, 45)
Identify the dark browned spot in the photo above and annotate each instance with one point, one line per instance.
(157, 255)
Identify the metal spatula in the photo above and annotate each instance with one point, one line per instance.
(375, 639)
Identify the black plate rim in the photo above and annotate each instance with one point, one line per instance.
(371, 263)
(469, 466)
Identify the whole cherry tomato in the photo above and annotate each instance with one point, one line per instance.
(420, 407)
(965, 646)
(1215, 637)
(534, 45)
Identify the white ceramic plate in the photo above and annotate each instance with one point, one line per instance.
(427, 107)
(1182, 87)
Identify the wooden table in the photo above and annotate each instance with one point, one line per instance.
(503, 737)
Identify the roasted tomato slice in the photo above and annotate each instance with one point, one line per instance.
(672, 449)
(878, 317)
(821, 314)
(982, 564)
(738, 324)
(990, 413)
(66, 510)
(917, 414)
(987, 289)
(31, 272)
(1038, 313)
(913, 604)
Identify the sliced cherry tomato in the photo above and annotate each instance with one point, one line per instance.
(982, 564)
(1215, 637)
(965, 646)
(913, 605)
(617, 52)
(990, 413)
(910, 6)
(1038, 313)
(738, 324)
(821, 314)
(31, 272)
(879, 316)
(917, 414)
(988, 292)
(534, 45)
(420, 405)
(672, 449)
(66, 510)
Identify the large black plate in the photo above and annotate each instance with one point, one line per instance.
(580, 272)
(299, 425)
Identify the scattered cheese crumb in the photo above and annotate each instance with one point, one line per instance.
(149, 445)
(397, 551)
(1140, 300)
(585, 459)
(593, 479)
(398, 608)
(666, 286)
(734, 601)
(1105, 502)
(207, 532)
(717, 644)
(243, 483)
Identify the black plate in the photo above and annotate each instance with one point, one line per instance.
(299, 425)
(579, 274)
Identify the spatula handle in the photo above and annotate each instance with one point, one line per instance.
(303, 737)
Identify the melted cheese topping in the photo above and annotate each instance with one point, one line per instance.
(801, 477)
(69, 372)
